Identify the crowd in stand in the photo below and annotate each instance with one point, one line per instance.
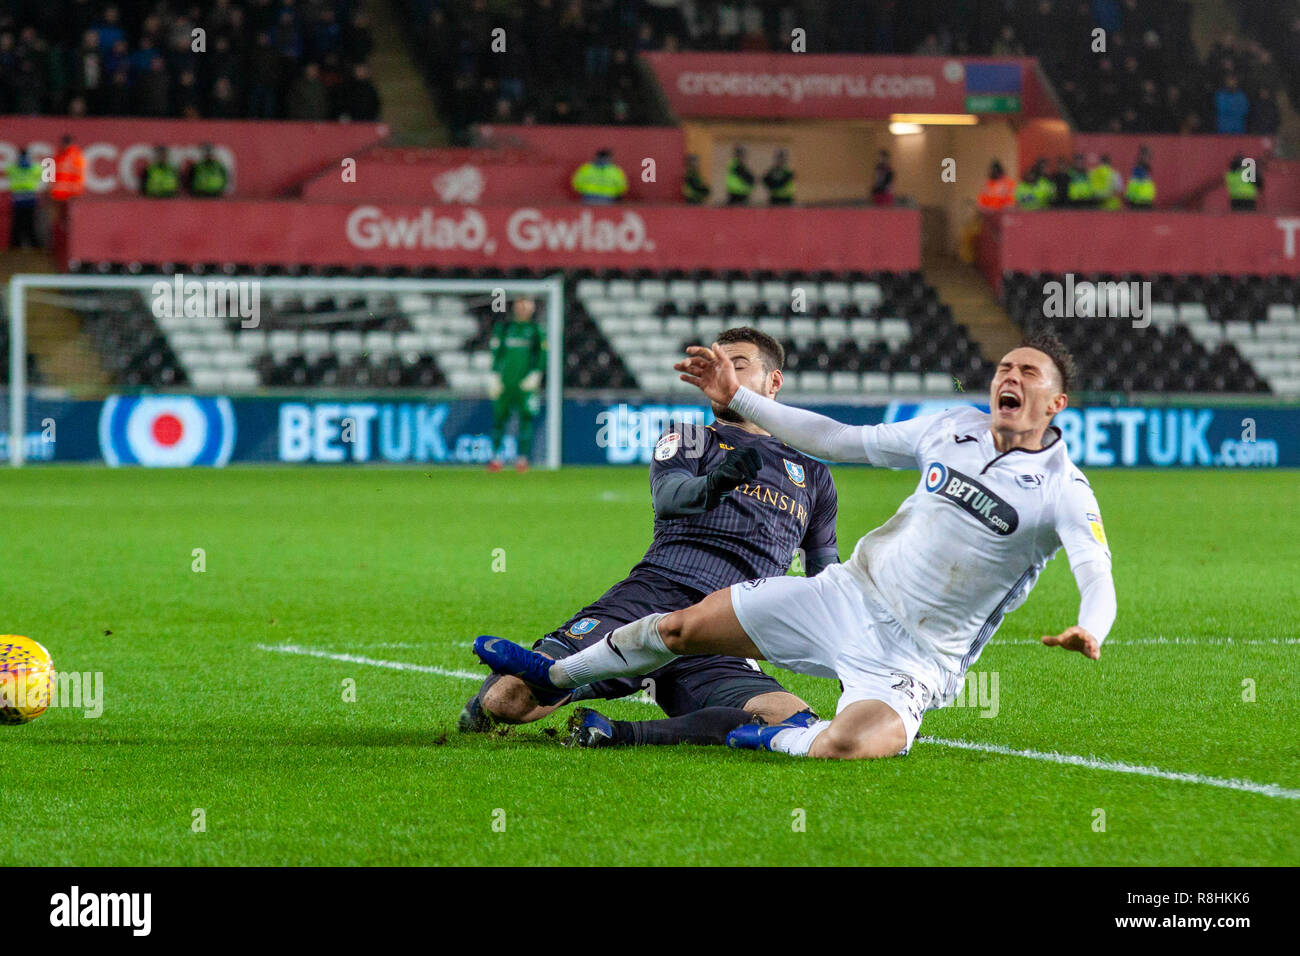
(1076, 183)
(265, 59)
(574, 60)
(1275, 26)
(554, 61)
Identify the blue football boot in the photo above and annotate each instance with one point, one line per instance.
(759, 736)
(506, 657)
(589, 728)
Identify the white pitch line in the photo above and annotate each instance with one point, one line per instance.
(640, 698)
(1073, 760)
(1092, 763)
(370, 661)
(1189, 641)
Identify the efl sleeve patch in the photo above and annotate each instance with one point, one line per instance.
(667, 446)
(1098, 530)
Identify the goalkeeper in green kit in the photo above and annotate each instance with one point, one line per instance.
(518, 357)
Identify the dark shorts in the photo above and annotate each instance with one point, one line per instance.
(681, 687)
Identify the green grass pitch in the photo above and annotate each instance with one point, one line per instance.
(398, 566)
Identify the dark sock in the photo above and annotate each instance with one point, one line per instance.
(708, 726)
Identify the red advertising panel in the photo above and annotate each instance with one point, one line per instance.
(1182, 167)
(1140, 242)
(322, 234)
(467, 176)
(570, 146)
(265, 158)
(518, 165)
(836, 86)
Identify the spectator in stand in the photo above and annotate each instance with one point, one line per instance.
(1244, 184)
(263, 78)
(740, 181)
(69, 175)
(1140, 194)
(882, 183)
(999, 189)
(24, 188)
(1264, 115)
(160, 179)
(1079, 193)
(600, 181)
(694, 189)
(208, 178)
(88, 72)
(222, 103)
(1231, 107)
(356, 98)
(1059, 179)
(307, 99)
(357, 40)
(185, 98)
(1044, 188)
(116, 98)
(779, 181)
(1028, 195)
(1106, 185)
(1007, 43)
(109, 28)
(152, 91)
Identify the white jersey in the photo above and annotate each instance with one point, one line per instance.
(967, 545)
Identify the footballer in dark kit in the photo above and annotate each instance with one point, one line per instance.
(731, 504)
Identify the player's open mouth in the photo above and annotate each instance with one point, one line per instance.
(1008, 401)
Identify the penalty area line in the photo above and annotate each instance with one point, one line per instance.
(1115, 766)
(640, 698)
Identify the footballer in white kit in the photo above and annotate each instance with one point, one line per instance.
(899, 623)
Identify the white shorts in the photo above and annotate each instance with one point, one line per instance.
(828, 626)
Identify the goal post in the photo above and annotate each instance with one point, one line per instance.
(441, 323)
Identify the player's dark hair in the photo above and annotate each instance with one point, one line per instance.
(1054, 349)
(769, 348)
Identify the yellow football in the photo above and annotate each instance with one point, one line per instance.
(26, 678)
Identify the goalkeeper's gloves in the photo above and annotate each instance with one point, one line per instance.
(532, 381)
(740, 465)
(495, 388)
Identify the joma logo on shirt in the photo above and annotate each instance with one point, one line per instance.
(973, 498)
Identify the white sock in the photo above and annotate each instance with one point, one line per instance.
(797, 741)
(629, 650)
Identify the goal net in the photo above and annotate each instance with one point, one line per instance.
(204, 369)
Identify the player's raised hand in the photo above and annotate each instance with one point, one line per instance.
(1075, 639)
(710, 370)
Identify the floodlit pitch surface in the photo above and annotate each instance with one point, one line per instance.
(227, 735)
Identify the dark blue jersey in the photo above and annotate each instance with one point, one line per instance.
(754, 531)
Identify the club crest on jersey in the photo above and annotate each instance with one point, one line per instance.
(971, 497)
(667, 446)
(794, 472)
(1098, 530)
(935, 476)
(1029, 481)
(585, 626)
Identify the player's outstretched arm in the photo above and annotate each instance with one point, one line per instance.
(1075, 639)
(710, 370)
(1097, 609)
